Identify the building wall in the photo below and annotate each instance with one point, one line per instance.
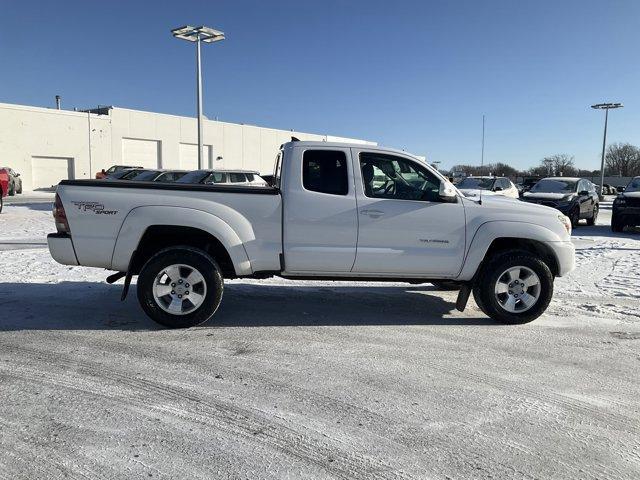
(40, 143)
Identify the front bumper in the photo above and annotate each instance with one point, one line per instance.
(562, 207)
(61, 248)
(565, 254)
(629, 215)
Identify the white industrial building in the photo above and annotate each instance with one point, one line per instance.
(47, 145)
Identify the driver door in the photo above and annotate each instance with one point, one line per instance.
(403, 226)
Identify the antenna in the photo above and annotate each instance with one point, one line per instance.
(481, 161)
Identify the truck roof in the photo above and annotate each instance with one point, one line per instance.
(315, 143)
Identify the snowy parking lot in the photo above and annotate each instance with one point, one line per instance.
(295, 379)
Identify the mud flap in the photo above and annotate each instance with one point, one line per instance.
(463, 297)
(127, 282)
(115, 277)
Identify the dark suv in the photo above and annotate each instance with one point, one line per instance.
(626, 207)
(575, 197)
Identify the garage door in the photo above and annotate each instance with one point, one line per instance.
(141, 153)
(189, 156)
(47, 172)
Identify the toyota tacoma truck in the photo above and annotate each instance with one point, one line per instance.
(333, 212)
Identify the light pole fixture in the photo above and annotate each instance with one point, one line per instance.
(198, 35)
(606, 107)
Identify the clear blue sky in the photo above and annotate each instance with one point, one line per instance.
(409, 74)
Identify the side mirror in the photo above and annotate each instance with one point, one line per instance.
(447, 192)
(17, 174)
(583, 193)
(622, 189)
(497, 189)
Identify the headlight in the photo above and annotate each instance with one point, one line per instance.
(565, 201)
(564, 220)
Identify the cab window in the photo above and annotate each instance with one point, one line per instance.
(325, 171)
(215, 177)
(388, 176)
(237, 177)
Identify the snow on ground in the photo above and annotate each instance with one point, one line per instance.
(317, 379)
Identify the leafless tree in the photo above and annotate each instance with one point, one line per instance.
(560, 164)
(497, 169)
(623, 159)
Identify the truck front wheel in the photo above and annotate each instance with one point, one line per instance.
(180, 287)
(514, 287)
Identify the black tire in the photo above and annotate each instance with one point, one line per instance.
(484, 286)
(594, 216)
(12, 189)
(1, 202)
(616, 225)
(574, 216)
(446, 285)
(19, 191)
(194, 258)
(478, 300)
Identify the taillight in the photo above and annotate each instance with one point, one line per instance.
(60, 216)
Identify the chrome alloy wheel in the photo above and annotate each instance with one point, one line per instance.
(179, 289)
(517, 289)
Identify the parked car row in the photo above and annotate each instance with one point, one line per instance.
(10, 181)
(577, 198)
(207, 176)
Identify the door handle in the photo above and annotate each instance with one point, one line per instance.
(372, 213)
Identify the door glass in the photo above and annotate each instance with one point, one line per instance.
(325, 171)
(215, 177)
(237, 178)
(388, 176)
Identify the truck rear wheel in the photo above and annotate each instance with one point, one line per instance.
(514, 287)
(180, 287)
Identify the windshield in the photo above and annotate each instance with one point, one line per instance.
(634, 185)
(145, 176)
(477, 183)
(549, 185)
(131, 174)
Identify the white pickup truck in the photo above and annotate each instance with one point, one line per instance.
(335, 211)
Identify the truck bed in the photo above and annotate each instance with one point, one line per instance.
(108, 217)
(252, 189)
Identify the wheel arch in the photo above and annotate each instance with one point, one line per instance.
(147, 230)
(160, 237)
(493, 237)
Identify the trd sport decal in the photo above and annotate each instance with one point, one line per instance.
(94, 207)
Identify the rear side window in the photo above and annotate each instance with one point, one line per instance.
(237, 178)
(325, 171)
(215, 177)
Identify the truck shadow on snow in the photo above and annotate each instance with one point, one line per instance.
(97, 306)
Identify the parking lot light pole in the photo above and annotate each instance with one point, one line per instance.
(198, 35)
(606, 107)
